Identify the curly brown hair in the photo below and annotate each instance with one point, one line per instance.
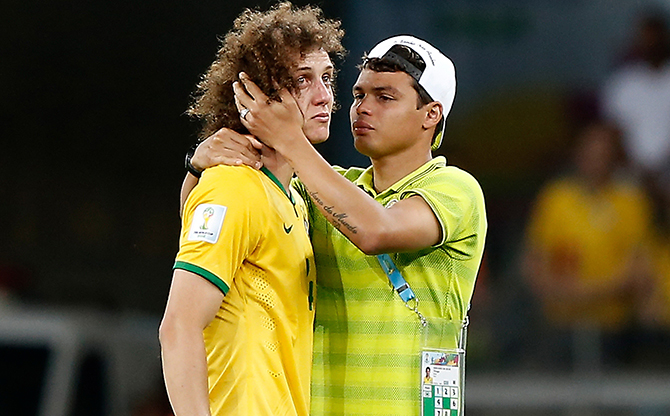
(264, 45)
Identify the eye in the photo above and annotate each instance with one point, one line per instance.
(301, 80)
(327, 79)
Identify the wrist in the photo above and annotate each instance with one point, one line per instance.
(294, 143)
(298, 151)
(188, 161)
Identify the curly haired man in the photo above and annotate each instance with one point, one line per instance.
(236, 336)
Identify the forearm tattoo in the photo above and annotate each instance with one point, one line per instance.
(338, 218)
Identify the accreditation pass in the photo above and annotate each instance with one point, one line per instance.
(440, 383)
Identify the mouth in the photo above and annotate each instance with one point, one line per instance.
(323, 117)
(361, 127)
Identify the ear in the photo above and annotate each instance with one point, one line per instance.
(433, 115)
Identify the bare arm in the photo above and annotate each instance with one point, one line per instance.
(187, 186)
(408, 225)
(192, 304)
(225, 147)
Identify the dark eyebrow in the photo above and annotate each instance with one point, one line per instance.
(382, 89)
(309, 68)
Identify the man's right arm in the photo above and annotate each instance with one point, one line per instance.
(192, 304)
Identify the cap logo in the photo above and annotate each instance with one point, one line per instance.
(414, 46)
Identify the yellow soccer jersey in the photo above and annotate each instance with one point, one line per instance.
(246, 235)
(590, 235)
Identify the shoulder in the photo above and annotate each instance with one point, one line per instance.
(558, 192)
(447, 188)
(458, 175)
(240, 183)
(562, 185)
(351, 173)
(456, 199)
(221, 172)
(630, 190)
(230, 178)
(450, 180)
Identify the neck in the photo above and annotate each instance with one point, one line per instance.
(597, 183)
(389, 169)
(275, 163)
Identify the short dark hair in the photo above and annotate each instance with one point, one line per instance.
(388, 64)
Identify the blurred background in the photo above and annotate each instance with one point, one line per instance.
(562, 113)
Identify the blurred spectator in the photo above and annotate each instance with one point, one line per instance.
(582, 256)
(637, 96)
(654, 313)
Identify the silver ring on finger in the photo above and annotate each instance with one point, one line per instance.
(244, 113)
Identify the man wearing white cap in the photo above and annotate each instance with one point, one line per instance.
(409, 222)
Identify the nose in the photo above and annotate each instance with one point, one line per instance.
(360, 106)
(322, 94)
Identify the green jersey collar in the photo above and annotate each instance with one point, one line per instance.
(274, 179)
(365, 181)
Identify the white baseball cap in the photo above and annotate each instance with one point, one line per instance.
(438, 78)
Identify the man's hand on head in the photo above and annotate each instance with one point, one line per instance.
(273, 122)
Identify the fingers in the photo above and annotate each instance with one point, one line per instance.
(254, 141)
(285, 95)
(252, 89)
(239, 148)
(239, 160)
(247, 93)
(242, 98)
(228, 147)
(289, 100)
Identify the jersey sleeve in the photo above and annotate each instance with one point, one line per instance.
(458, 203)
(218, 231)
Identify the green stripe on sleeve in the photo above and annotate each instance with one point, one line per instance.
(203, 273)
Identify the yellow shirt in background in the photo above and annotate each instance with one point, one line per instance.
(591, 236)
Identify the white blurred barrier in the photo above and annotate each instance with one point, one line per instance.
(621, 390)
(126, 344)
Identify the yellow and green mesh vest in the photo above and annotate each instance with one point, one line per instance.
(366, 341)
